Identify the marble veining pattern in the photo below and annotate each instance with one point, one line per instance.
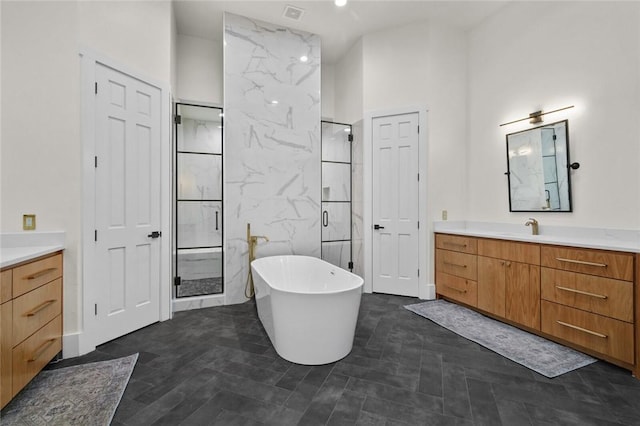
(272, 143)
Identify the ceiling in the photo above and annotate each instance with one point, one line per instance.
(338, 28)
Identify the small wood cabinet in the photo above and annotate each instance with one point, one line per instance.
(456, 268)
(30, 321)
(585, 298)
(509, 280)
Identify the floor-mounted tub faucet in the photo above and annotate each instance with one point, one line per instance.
(534, 225)
(252, 242)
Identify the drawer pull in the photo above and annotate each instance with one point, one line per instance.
(456, 289)
(454, 264)
(582, 262)
(586, 293)
(39, 307)
(447, 243)
(575, 327)
(42, 349)
(40, 273)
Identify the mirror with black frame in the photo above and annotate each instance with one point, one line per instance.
(538, 169)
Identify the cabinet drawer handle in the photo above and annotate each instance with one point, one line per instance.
(40, 273)
(447, 243)
(586, 293)
(456, 289)
(39, 307)
(582, 262)
(454, 264)
(42, 349)
(575, 327)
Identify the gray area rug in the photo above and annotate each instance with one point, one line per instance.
(86, 394)
(541, 355)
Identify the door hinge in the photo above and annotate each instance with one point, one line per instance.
(95, 87)
(350, 137)
(95, 309)
(418, 129)
(95, 235)
(418, 224)
(418, 177)
(178, 119)
(177, 281)
(555, 137)
(95, 162)
(350, 266)
(418, 272)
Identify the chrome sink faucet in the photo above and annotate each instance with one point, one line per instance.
(534, 225)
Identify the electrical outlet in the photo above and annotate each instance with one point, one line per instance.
(28, 222)
(444, 215)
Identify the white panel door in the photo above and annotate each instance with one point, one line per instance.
(128, 137)
(395, 205)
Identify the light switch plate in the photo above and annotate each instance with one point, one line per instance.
(29, 222)
(444, 215)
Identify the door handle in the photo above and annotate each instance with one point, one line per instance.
(155, 234)
(378, 227)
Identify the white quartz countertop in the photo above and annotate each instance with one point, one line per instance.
(23, 246)
(596, 238)
(13, 255)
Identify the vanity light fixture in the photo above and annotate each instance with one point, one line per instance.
(536, 117)
(340, 3)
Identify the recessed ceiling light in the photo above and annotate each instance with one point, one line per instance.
(304, 58)
(340, 3)
(274, 102)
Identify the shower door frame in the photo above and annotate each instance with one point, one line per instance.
(176, 275)
(350, 202)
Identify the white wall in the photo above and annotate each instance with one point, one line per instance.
(327, 91)
(550, 55)
(425, 64)
(199, 70)
(41, 145)
(348, 86)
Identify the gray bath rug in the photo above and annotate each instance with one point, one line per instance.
(541, 355)
(86, 394)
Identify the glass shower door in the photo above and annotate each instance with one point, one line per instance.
(336, 194)
(199, 256)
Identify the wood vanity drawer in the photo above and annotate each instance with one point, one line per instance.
(602, 334)
(34, 274)
(587, 261)
(458, 264)
(510, 250)
(604, 296)
(457, 243)
(6, 285)
(35, 309)
(457, 288)
(33, 354)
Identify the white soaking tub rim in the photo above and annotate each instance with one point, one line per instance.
(351, 283)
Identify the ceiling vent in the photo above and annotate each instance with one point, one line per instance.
(293, 13)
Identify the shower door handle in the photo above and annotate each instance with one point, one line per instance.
(325, 218)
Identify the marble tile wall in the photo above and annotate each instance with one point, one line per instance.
(272, 144)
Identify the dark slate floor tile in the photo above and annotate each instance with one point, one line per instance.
(454, 391)
(347, 410)
(217, 366)
(395, 395)
(483, 405)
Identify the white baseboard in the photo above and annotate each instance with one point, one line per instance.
(427, 292)
(189, 303)
(71, 345)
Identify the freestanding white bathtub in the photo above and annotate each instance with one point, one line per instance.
(308, 307)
